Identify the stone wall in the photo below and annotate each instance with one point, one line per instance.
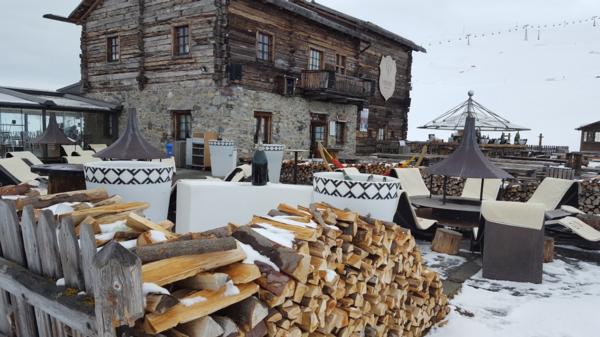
(229, 111)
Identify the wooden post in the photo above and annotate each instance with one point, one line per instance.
(69, 254)
(548, 249)
(88, 251)
(446, 241)
(117, 289)
(12, 248)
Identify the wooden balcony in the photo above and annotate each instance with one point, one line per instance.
(329, 86)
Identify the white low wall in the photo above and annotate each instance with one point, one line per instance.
(204, 205)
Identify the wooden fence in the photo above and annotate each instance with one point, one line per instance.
(102, 290)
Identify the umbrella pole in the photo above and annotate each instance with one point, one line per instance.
(444, 187)
(481, 192)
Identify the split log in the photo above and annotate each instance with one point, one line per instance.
(259, 330)
(181, 267)
(241, 273)
(170, 249)
(230, 329)
(446, 241)
(15, 189)
(160, 303)
(247, 313)
(288, 260)
(205, 281)
(300, 233)
(51, 199)
(78, 216)
(213, 301)
(137, 222)
(203, 327)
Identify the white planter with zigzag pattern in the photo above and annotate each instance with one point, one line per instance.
(377, 198)
(134, 181)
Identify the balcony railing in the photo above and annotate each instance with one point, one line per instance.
(330, 85)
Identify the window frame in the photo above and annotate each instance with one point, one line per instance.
(310, 58)
(176, 118)
(271, 46)
(267, 128)
(109, 48)
(175, 41)
(596, 137)
(340, 133)
(381, 134)
(341, 68)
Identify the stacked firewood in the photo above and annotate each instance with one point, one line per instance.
(317, 271)
(520, 192)
(454, 186)
(307, 169)
(589, 198)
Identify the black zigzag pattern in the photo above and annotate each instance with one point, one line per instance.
(100, 175)
(331, 187)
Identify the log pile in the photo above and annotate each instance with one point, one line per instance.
(589, 199)
(300, 272)
(307, 169)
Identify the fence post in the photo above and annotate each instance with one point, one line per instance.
(12, 248)
(34, 264)
(117, 289)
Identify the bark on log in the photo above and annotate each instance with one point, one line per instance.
(165, 250)
(288, 260)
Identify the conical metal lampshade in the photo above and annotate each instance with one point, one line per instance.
(131, 145)
(468, 161)
(53, 135)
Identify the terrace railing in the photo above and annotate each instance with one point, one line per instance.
(329, 84)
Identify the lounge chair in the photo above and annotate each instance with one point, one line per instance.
(411, 181)
(76, 150)
(27, 156)
(472, 189)
(554, 192)
(406, 217)
(16, 171)
(97, 147)
(514, 240)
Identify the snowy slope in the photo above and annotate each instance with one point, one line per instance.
(551, 85)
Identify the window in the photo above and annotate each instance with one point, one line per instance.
(264, 46)
(262, 131)
(340, 132)
(315, 62)
(108, 125)
(181, 40)
(112, 49)
(182, 121)
(597, 137)
(381, 134)
(340, 64)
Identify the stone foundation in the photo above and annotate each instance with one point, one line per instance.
(230, 112)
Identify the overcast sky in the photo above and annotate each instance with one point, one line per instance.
(40, 53)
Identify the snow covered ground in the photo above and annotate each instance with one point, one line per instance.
(440, 263)
(566, 304)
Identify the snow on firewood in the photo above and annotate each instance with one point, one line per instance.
(277, 235)
(129, 244)
(288, 221)
(151, 288)
(157, 236)
(188, 302)
(117, 226)
(231, 289)
(253, 256)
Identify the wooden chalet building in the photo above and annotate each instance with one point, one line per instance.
(590, 137)
(285, 72)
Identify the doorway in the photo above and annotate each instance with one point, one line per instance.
(318, 133)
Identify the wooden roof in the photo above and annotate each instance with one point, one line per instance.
(588, 126)
(313, 11)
